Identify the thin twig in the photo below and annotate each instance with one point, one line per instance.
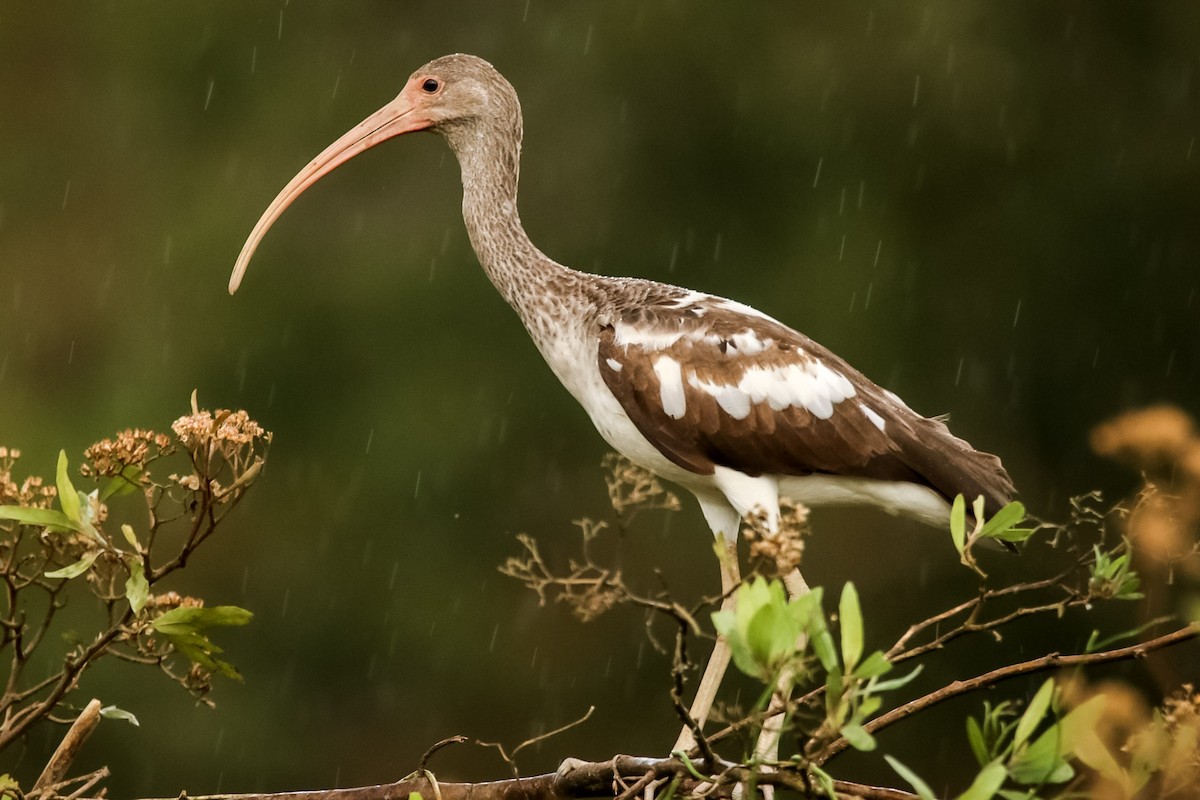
(1051, 661)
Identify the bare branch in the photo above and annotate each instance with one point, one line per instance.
(77, 734)
(1051, 661)
(611, 778)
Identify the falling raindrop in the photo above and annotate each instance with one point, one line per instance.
(208, 95)
(817, 176)
(66, 194)
(495, 632)
(1017, 315)
(370, 438)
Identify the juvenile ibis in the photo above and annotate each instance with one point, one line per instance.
(706, 392)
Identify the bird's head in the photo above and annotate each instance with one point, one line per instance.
(450, 95)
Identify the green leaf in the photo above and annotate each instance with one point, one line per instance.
(919, 786)
(137, 588)
(48, 517)
(202, 655)
(977, 510)
(68, 496)
(975, 739)
(1034, 713)
(895, 683)
(112, 712)
(131, 537)
(770, 636)
(833, 696)
(1014, 535)
(188, 619)
(817, 629)
(78, 568)
(127, 481)
(986, 783)
(858, 737)
(873, 666)
(850, 616)
(958, 523)
(1004, 520)
(1043, 761)
(415, 796)
(9, 788)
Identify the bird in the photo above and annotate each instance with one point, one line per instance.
(705, 392)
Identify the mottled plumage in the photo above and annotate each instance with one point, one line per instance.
(709, 393)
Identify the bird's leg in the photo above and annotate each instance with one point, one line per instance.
(715, 670)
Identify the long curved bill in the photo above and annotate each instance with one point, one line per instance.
(401, 115)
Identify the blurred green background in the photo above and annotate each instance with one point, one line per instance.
(991, 208)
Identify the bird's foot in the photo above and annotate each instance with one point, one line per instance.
(569, 765)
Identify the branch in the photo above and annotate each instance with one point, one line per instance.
(1051, 661)
(77, 734)
(583, 779)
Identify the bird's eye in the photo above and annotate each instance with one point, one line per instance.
(430, 85)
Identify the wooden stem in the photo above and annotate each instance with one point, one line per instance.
(77, 734)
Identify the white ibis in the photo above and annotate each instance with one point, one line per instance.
(706, 392)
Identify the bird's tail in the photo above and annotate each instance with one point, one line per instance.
(952, 466)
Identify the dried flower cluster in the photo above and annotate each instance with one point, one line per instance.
(228, 431)
(632, 489)
(784, 546)
(56, 549)
(167, 601)
(1163, 443)
(132, 447)
(30, 492)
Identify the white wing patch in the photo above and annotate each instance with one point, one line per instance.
(748, 344)
(811, 386)
(732, 400)
(871, 415)
(670, 386)
(613, 364)
(650, 340)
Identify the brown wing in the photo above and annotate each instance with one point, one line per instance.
(710, 382)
